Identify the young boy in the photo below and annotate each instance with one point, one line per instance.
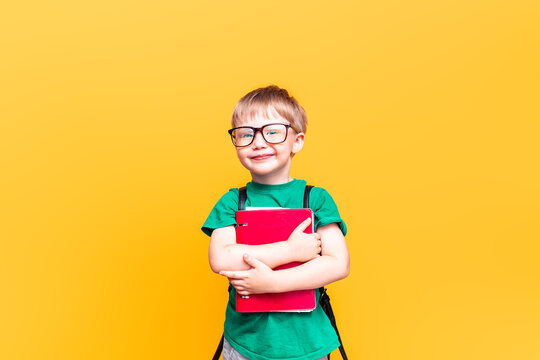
(268, 130)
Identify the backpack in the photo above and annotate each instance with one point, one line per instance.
(324, 299)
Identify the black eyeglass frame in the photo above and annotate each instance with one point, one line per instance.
(259, 129)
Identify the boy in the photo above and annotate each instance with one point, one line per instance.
(268, 130)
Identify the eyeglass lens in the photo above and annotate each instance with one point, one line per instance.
(272, 134)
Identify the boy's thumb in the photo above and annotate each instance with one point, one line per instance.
(303, 225)
(251, 261)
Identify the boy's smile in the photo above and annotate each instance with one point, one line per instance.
(269, 163)
(262, 157)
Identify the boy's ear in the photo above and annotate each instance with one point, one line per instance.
(298, 143)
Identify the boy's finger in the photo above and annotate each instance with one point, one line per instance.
(251, 261)
(233, 274)
(237, 284)
(226, 273)
(303, 225)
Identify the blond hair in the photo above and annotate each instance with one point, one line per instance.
(265, 100)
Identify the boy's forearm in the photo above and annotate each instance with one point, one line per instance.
(313, 274)
(225, 254)
(332, 266)
(231, 256)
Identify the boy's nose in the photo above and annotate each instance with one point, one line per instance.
(258, 140)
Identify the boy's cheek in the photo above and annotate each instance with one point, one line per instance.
(243, 161)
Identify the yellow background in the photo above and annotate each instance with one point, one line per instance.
(424, 125)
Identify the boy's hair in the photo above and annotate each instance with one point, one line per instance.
(264, 100)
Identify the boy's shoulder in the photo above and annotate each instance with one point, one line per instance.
(230, 197)
(223, 212)
(318, 193)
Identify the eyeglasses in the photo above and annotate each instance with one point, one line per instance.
(271, 133)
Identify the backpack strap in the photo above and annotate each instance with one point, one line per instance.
(242, 196)
(324, 299)
(306, 195)
(219, 349)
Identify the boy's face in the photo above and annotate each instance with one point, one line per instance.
(269, 163)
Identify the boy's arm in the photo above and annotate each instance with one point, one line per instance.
(333, 265)
(225, 254)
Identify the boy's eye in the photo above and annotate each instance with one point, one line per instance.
(246, 135)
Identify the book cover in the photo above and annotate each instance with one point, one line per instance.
(264, 226)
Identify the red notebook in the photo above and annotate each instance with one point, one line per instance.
(256, 227)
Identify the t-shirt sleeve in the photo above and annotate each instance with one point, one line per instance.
(223, 213)
(325, 209)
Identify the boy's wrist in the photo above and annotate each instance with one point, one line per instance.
(274, 284)
(289, 252)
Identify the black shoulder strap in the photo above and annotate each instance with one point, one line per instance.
(324, 299)
(306, 195)
(242, 196)
(219, 349)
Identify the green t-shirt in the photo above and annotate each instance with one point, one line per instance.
(275, 335)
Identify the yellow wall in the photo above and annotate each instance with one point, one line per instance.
(424, 125)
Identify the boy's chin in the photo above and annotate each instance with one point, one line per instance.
(261, 173)
(270, 175)
(261, 169)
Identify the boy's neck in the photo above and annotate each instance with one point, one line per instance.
(271, 180)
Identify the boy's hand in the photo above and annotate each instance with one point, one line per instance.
(302, 246)
(256, 280)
